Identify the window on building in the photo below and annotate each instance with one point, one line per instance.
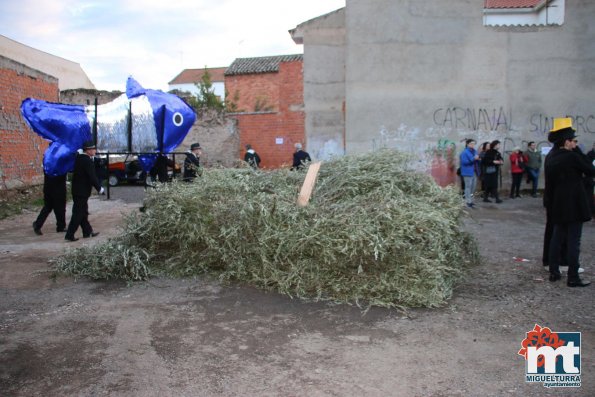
(523, 12)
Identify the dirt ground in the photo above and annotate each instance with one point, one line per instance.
(196, 337)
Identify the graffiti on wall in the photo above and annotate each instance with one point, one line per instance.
(541, 124)
(437, 147)
(474, 119)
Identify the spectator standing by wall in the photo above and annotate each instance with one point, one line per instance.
(517, 168)
(533, 166)
(468, 161)
(491, 163)
(300, 157)
(251, 157)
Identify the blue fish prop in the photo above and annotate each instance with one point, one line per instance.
(160, 122)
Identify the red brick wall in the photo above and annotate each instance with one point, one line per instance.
(21, 150)
(253, 88)
(273, 134)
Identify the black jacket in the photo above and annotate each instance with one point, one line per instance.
(565, 196)
(299, 158)
(84, 177)
(191, 163)
(253, 159)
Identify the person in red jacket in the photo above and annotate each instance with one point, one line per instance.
(517, 168)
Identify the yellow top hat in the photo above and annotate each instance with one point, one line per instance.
(562, 123)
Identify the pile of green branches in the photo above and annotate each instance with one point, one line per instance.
(374, 233)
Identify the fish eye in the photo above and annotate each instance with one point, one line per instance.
(178, 119)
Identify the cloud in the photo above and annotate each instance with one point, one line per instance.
(155, 39)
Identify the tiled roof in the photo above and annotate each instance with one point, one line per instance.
(511, 3)
(191, 76)
(260, 64)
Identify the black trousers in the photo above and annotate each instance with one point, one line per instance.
(80, 217)
(547, 238)
(571, 234)
(516, 184)
(56, 204)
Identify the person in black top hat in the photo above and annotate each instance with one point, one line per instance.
(54, 199)
(192, 162)
(83, 180)
(565, 200)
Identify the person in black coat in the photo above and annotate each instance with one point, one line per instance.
(251, 157)
(565, 200)
(491, 162)
(54, 199)
(83, 180)
(192, 162)
(159, 169)
(300, 157)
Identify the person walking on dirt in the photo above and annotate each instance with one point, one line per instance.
(83, 180)
(468, 162)
(251, 157)
(54, 199)
(192, 162)
(566, 201)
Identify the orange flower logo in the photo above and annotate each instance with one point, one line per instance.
(540, 337)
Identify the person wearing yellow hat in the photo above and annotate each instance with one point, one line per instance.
(565, 200)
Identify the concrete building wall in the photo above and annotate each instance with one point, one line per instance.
(87, 97)
(21, 150)
(324, 83)
(218, 136)
(423, 75)
(70, 75)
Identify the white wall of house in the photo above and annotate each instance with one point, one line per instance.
(70, 75)
(547, 13)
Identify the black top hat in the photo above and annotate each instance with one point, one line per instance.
(89, 145)
(195, 146)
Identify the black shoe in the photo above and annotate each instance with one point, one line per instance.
(68, 238)
(36, 230)
(555, 277)
(487, 200)
(93, 234)
(60, 230)
(498, 201)
(534, 195)
(577, 283)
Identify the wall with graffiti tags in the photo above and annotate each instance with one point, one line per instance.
(422, 77)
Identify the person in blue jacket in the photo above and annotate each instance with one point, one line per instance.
(468, 161)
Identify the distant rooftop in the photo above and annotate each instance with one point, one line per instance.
(260, 64)
(191, 76)
(512, 3)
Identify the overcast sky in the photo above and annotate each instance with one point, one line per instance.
(154, 40)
